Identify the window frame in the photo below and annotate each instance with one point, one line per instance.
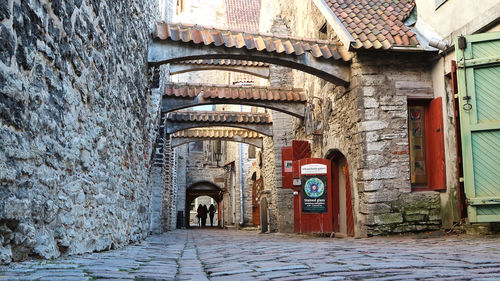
(435, 163)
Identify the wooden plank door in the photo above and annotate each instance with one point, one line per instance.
(478, 61)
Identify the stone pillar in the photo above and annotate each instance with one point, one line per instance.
(282, 199)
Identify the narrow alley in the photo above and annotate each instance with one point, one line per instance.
(249, 140)
(217, 255)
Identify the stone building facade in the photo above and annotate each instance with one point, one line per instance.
(368, 121)
(77, 126)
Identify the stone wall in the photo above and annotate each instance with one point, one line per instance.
(75, 126)
(383, 178)
(366, 122)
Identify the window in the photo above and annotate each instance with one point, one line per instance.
(426, 145)
(416, 132)
(251, 152)
(196, 147)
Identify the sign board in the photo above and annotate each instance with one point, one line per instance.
(314, 194)
(313, 169)
(287, 167)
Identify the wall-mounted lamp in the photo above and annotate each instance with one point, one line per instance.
(217, 148)
(217, 156)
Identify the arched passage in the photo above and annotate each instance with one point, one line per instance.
(343, 216)
(182, 120)
(254, 142)
(202, 188)
(287, 100)
(174, 43)
(261, 72)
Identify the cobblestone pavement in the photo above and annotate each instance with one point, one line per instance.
(218, 255)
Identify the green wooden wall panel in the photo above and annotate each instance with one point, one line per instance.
(480, 126)
(487, 83)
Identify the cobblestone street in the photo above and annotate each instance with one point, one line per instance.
(243, 255)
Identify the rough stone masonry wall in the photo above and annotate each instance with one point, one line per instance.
(367, 123)
(75, 137)
(382, 84)
(269, 178)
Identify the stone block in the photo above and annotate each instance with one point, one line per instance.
(372, 185)
(375, 146)
(46, 246)
(369, 102)
(380, 196)
(378, 208)
(5, 254)
(380, 173)
(372, 125)
(16, 209)
(391, 218)
(414, 217)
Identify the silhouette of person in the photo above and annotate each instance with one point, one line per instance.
(204, 216)
(199, 214)
(211, 212)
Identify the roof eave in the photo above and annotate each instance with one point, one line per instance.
(344, 35)
(408, 48)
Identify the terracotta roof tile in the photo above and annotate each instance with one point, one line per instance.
(235, 92)
(216, 133)
(243, 15)
(235, 39)
(365, 20)
(225, 62)
(218, 116)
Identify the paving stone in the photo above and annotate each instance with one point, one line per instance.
(230, 272)
(232, 255)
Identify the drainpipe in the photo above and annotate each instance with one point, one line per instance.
(242, 187)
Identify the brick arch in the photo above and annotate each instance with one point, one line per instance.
(175, 43)
(264, 129)
(190, 140)
(179, 69)
(178, 96)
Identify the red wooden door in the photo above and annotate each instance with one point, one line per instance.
(314, 222)
(257, 188)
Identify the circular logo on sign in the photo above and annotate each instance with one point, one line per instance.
(314, 188)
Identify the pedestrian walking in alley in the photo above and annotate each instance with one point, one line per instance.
(211, 212)
(204, 216)
(199, 215)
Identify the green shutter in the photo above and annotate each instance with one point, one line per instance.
(480, 80)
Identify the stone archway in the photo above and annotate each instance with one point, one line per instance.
(176, 43)
(201, 188)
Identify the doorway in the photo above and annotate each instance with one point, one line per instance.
(204, 193)
(343, 217)
(263, 216)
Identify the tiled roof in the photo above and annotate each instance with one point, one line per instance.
(225, 62)
(376, 24)
(215, 133)
(243, 14)
(235, 92)
(251, 41)
(219, 117)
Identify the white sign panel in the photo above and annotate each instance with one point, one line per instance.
(313, 169)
